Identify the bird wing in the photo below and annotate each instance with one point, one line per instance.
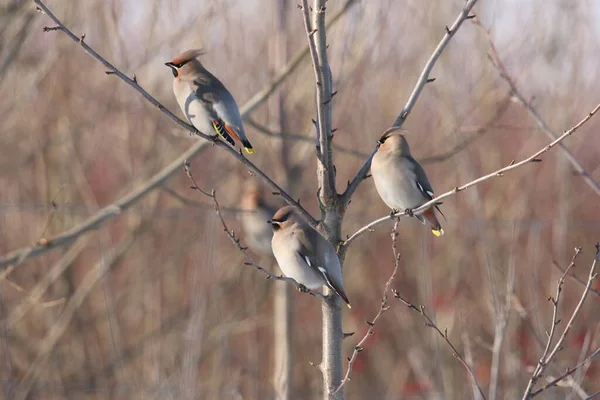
(208, 99)
(419, 178)
(226, 108)
(307, 251)
(422, 183)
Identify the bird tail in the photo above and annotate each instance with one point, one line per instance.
(337, 289)
(340, 292)
(247, 146)
(431, 218)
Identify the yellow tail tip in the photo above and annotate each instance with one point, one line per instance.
(249, 150)
(437, 232)
(349, 306)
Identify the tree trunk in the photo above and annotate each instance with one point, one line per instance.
(283, 338)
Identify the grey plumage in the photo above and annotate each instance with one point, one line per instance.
(304, 255)
(400, 180)
(205, 101)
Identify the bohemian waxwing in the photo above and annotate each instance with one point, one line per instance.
(304, 255)
(400, 181)
(256, 212)
(206, 103)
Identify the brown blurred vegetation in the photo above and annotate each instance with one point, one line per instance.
(178, 315)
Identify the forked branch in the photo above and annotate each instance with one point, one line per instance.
(414, 96)
(534, 158)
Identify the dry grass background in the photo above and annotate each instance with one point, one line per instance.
(178, 315)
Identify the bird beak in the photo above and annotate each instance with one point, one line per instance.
(273, 222)
(169, 64)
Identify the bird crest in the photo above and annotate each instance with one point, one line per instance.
(187, 56)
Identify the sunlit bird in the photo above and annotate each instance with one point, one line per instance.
(304, 255)
(205, 101)
(400, 180)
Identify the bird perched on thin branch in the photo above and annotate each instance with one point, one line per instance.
(256, 212)
(401, 181)
(304, 255)
(206, 103)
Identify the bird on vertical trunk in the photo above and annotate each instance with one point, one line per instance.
(304, 255)
(205, 101)
(401, 181)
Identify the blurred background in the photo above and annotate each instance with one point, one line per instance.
(157, 303)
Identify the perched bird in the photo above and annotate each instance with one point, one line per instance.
(256, 212)
(400, 181)
(206, 103)
(304, 255)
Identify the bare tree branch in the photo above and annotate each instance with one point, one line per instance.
(259, 97)
(382, 308)
(317, 43)
(104, 215)
(236, 241)
(59, 328)
(554, 382)
(498, 173)
(429, 322)
(213, 139)
(578, 280)
(548, 355)
(499, 66)
(332, 212)
(113, 210)
(412, 99)
(57, 270)
(300, 138)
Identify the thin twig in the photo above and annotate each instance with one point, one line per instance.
(412, 99)
(113, 210)
(541, 365)
(384, 306)
(58, 329)
(545, 128)
(300, 138)
(212, 139)
(259, 97)
(578, 280)
(548, 355)
(534, 158)
(429, 322)
(42, 285)
(317, 43)
(568, 372)
(236, 241)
